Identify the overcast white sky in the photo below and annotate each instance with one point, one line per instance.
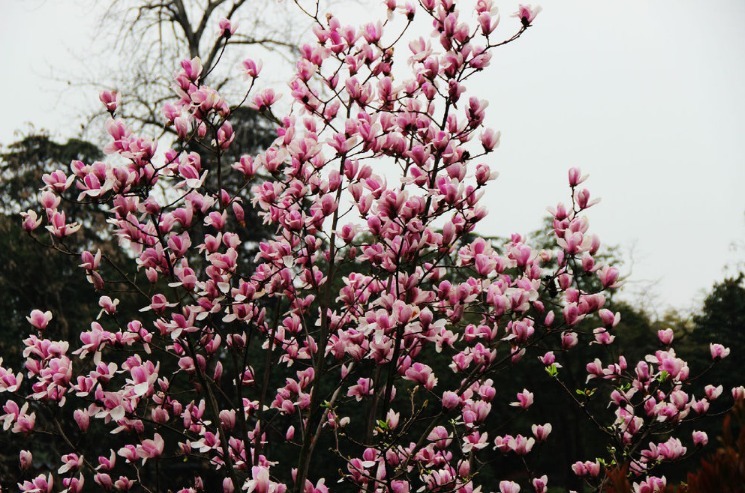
(646, 97)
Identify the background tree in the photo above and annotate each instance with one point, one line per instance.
(154, 36)
(29, 274)
(24, 162)
(35, 276)
(722, 317)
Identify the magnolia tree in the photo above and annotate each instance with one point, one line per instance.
(358, 350)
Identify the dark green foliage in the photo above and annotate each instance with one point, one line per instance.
(722, 320)
(723, 471)
(23, 163)
(34, 276)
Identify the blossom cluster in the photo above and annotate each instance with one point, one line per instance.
(372, 320)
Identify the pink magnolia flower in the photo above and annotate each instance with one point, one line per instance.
(58, 181)
(110, 99)
(82, 418)
(25, 459)
(73, 484)
(575, 175)
(587, 468)
(39, 319)
(700, 406)
(107, 305)
(450, 400)
(440, 437)
(548, 358)
(509, 487)
(228, 486)
(361, 389)
(128, 452)
(490, 139)
(71, 462)
(488, 22)
(541, 432)
(90, 261)
(603, 336)
(30, 220)
(527, 13)
(106, 463)
(59, 226)
(372, 32)
(738, 393)
(583, 199)
(227, 418)
(8, 381)
(159, 303)
(712, 392)
(391, 419)
(718, 351)
(700, 438)
(608, 276)
(149, 449)
(25, 423)
(540, 485)
(40, 484)
(192, 69)
(672, 449)
(252, 68)
(652, 484)
(524, 399)
(227, 28)
(104, 480)
(260, 482)
(264, 100)
(421, 374)
(475, 441)
(569, 340)
(609, 318)
(521, 445)
(124, 483)
(665, 336)
(225, 135)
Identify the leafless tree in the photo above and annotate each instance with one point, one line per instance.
(142, 41)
